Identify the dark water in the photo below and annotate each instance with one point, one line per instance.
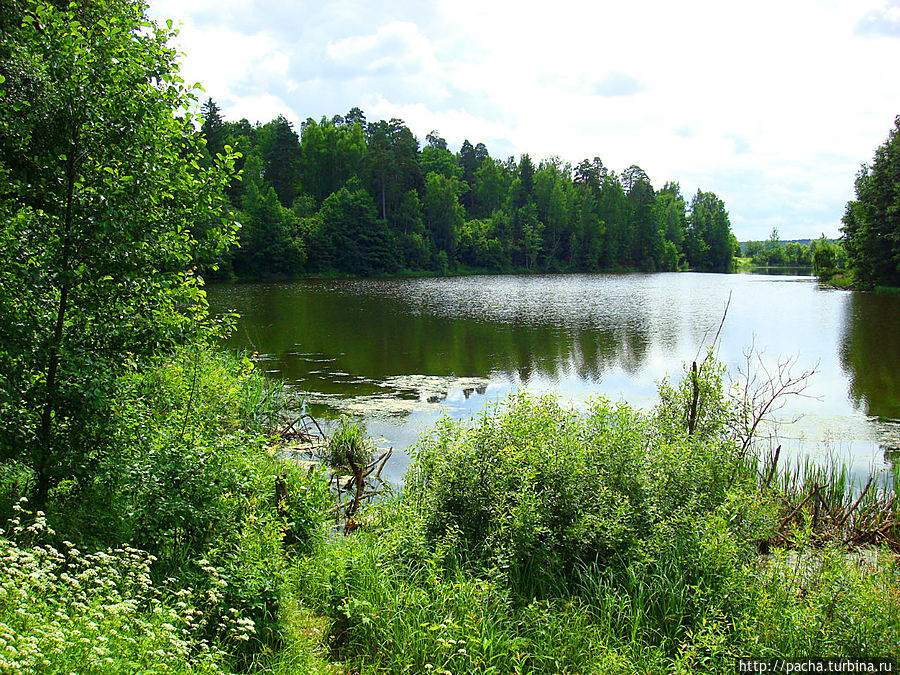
(401, 353)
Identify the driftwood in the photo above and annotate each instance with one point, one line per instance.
(878, 523)
(364, 484)
(301, 429)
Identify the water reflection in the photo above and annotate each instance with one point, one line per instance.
(870, 354)
(403, 352)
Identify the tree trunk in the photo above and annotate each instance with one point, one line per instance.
(43, 454)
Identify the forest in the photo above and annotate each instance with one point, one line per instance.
(350, 197)
(823, 255)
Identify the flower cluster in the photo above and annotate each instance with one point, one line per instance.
(67, 611)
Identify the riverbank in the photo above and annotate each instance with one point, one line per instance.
(532, 539)
(452, 345)
(535, 539)
(459, 271)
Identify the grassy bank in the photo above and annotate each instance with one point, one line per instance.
(843, 279)
(535, 539)
(532, 539)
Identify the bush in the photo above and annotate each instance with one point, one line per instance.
(538, 539)
(542, 492)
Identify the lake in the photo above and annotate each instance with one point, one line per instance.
(400, 353)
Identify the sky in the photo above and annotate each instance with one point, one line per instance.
(773, 105)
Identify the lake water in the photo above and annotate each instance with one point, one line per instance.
(400, 353)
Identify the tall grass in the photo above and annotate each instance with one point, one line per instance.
(827, 499)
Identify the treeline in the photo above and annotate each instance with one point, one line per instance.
(823, 255)
(349, 196)
(872, 221)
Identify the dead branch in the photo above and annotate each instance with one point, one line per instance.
(858, 500)
(764, 391)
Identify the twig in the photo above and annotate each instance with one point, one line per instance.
(692, 420)
(796, 511)
(856, 503)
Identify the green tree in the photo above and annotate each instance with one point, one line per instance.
(825, 256)
(552, 187)
(526, 173)
(439, 160)
(213, 128)
(469, 163)
(443, 213)
(671, 210)
(271, 244)
(281, 151)
(435, 141)
(105, 184)
(586, 238)
(479, 246)
(646, 237)
(872, 222)
(710, 247)
(591, 172)
(481, 154)
(489, 188)
(393, 164)
(354, 239)
(529, 230)
(330, 156)
(753, 249)
(612, 209)
(410, 230)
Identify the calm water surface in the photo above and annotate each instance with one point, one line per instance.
(401, 353)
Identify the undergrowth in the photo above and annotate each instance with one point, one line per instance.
(538, 539)
(533, 539)
(188, 506)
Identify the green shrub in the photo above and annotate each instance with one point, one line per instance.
(542, 492)
(194, 485)
(538, 539)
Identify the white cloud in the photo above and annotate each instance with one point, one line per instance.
(883, 20)
(456, 124)
(773, 105)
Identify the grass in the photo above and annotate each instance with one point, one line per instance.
(843, 279)
(826, 503)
